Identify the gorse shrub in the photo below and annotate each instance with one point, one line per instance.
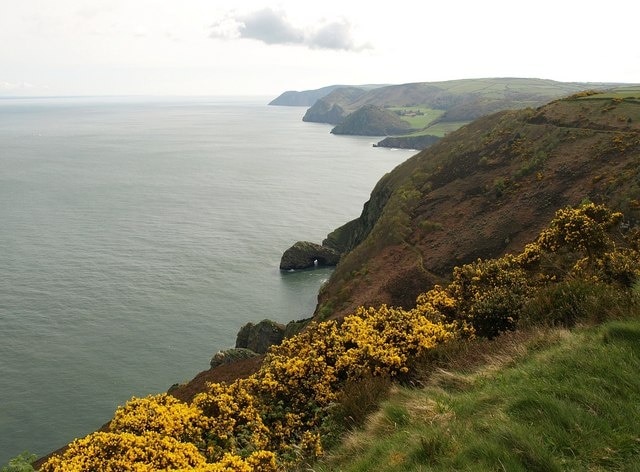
(162, 414)
(579, 268)
(234, 419)
(574, 301)
(109, 452)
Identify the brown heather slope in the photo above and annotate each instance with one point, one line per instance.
(485, 190)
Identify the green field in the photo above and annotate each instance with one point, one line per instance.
(443, 128)
(499, 87)
(624, 93)
(417, 117)
(440, 129)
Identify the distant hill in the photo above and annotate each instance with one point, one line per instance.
(484, 190)
(372, 120)
(330, 111)
(451, 104)
(306, 98)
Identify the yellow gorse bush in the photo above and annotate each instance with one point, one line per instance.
(234, 418)
(274, 418)
(116, 452)
(163, 414)
(383, 340)
(261, 461)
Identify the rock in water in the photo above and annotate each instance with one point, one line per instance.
(304, 254)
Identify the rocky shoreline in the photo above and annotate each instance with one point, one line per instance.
(408, 142)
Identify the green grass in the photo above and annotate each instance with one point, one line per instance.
(440, 129)
(559, 400)
(626, 92)
(498, 87)
(424, 118)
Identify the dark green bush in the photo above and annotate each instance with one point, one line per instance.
(574, 301)
(20, 463)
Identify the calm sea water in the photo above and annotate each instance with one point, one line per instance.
(136, 237)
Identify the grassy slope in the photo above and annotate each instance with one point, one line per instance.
(418, 121)
(440, 128)
(558, 400)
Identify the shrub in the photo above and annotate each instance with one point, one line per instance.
(234, 419)
(111, 452)
(359, 398)
(573, 301)
(20, 463)
(162, 414)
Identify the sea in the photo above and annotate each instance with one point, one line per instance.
(137, 235)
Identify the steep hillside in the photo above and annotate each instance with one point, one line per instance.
(482, 191)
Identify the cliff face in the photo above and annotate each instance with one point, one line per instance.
(484, 190)
(348, 236)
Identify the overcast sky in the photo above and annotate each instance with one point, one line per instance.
(254, 47)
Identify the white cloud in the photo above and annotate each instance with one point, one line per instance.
(273, 27)
(335, 35)
(270, 27)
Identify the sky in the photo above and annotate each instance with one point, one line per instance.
(254, 47)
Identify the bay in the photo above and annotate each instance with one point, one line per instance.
(138, 235)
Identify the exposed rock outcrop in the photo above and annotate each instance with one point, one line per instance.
(259, 337)
(231, 355)
(304, 254)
